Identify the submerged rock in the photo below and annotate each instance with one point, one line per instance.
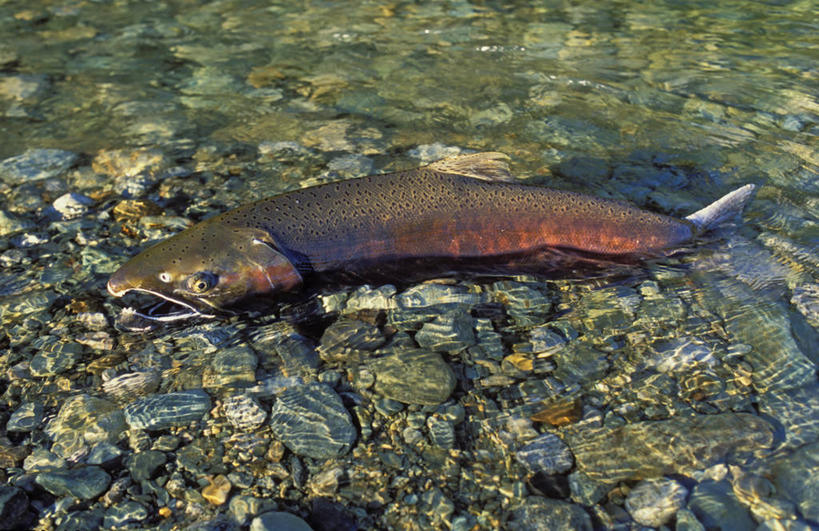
(546, 514)
(163, 411)
(35, 165)
(654, 502)
(85, 483)
(414, 377)
(546, 454)
(86, 419)
(673, 446)
(311, 421)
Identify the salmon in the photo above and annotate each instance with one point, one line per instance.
(458, 209)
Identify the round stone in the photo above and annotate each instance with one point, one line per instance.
(654, 502)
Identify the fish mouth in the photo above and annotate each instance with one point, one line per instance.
(169, 309)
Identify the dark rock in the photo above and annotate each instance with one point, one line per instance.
(278, 521)
(414, 377)
(144, 465)
(163, 411)
(85, 483)
(13, 506)
(546, 454)
(544, 514)
(714, 504)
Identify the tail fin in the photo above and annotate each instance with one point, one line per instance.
(723, 208)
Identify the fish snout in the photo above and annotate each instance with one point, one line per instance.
(118, 285)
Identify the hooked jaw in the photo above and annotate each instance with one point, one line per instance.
(118, 285)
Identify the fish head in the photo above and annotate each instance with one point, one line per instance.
(208, 268)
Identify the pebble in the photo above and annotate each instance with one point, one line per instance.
(35, 165)
(89, 418)
(546, 454)
(131, 385)
(311, 421)
(439, 296)
(159, 412)
(145, 465)
(122, 514)
(40, 460)
(673, 446)
(216, 493)
(21, 87)
(72, 205)
(806, 300)
(654, 502)
(441, 432)
(85, 483)
(13, 506)
(714, 504)
(55, 356)
(231, 367)
(243, 412)
(413, 377)
(789, 477)
(451, 332)
(279, 521)
(545, 514)
(679, 355)
(26, 418)
(9, 223)
(103, 454)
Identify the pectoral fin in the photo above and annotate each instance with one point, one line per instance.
(487, 166)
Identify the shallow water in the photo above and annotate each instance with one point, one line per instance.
(703, 366)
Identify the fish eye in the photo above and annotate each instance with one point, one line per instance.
(165, 277)
(201, 282)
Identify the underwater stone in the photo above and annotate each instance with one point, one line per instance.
(547, 454)
(450, 332)
(806, 300)
(72, 205)
(714, 504)
(55, 356)
(654, 502)
(231, 367)
(345, 336)
(795, 477)
(680, 354)
(243, 412)
(672, 446)
(85, 483)
(580, 362)
(133, 384)
(311, 421)
(368, 298)
(26, 418)
(279, 521)
(436, 295)
(128, 512)
(35, 165)
(798, 412)
(13, 505)
(93, 419)
(441, 432)
(144, 465)
(9, 223)
(545, 514)
(163, 411)
(414, 377)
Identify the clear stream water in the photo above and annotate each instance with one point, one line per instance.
(167, 112)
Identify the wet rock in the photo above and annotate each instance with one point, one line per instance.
(431, 152)
(129, 512)
(676, 445)
(55, 356)
(545, 514)
(798, 412)
(795, 477)
(85, 483)
(35, 165)
(26, 418)
(131, 385)
(680, 354)
(163, 411)
(368, 298)
(344, 337)
(757, 493)
(450, 332)
(525, 304)
(413, 377)
(278, 521)
(85, 419)
(103, 454)
(243, 412)
(546, 454)
(230, 368)
(13, 506)
(72, 205)
(242, 507)
(654, 502)
(436, 295)
(21, 87)
(216, 493)
(580, 362)
(9, 223)
(806, 300)
(687, 521)
(715, 505)
(311, 421)
(145, 465)
(441, 432)
(27, 303)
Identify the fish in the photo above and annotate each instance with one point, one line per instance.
(456, 210)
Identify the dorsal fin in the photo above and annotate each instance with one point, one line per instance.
(487, 166)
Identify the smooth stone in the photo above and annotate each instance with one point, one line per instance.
(72, 205)
(797, 410)
(547, 454)
(35, 165)
(164, 411)
(41, 460)
(26, 418)
(103, 453)
(546, 514)
(132, 384)
(441, 432)
(680, 354)
(145, 465)
(9, 223)
(243, 507)
(127, 512)
(654, 502)
(85, 483)
(345, 334)
(450, 332)
(687, 521)
(216, 493)
(714, 504)
(580, 362)
(279, 521)
(55, 357)
(82, 521)
(230, 368)
(795, 476)
(436, 295)
(13, 506)
(673, 446)
(414, 377)
(243, 412)
(312, 421)
(93, 419)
